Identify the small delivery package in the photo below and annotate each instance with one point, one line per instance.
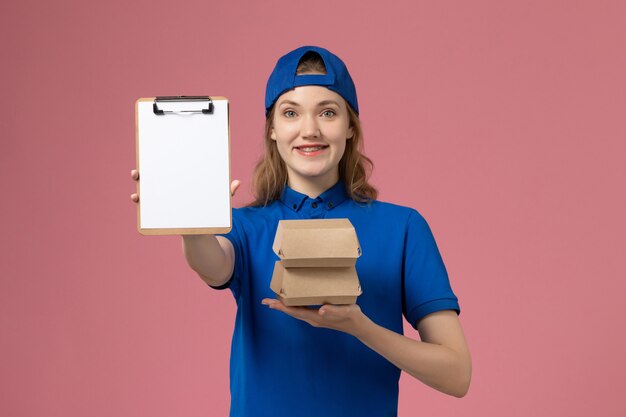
(317, 262)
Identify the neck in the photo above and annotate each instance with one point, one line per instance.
(313, 187)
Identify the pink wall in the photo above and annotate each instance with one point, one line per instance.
(502, 122)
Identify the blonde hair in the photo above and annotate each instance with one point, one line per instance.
(270, 174)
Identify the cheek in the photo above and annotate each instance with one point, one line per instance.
(283, 146)
(339, 139)
(285, 134)
(340, 132)
(341, 149)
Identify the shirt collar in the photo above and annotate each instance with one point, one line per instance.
(330, 198)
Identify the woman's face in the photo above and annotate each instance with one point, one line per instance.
(310, 126)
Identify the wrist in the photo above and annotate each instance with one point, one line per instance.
(363, 326)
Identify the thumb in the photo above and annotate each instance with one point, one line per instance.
(328, 309)
(233, 186)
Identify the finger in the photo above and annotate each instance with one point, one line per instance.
(301, 313)
(271, 302)
(134, 174)
(328, 309)
(305, 314)
(134, 197)
(278, 305)
(233, 186)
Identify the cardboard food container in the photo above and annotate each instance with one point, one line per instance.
(316, 243)
(315, 286)
(317, 262)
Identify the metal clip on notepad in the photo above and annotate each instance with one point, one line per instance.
(169, 99)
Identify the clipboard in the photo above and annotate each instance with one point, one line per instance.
(183, 158)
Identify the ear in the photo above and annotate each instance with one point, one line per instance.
(350, 133)
(272, 134)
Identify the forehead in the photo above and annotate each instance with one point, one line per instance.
(310, 95)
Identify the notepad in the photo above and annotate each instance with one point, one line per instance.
(183, 158)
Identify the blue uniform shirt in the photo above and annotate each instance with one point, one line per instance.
(281, 366)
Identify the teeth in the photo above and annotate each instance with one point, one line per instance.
(307, 149)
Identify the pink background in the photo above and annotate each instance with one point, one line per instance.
(501, 122)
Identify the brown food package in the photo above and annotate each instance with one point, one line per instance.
(317, 263)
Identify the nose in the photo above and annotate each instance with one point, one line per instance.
(310, 128)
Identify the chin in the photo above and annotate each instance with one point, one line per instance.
(312, 174)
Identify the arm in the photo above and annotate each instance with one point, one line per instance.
(441, 361)
(212, 257)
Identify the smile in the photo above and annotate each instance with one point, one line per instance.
(310, 150)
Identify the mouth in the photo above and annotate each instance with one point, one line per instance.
(310, 150)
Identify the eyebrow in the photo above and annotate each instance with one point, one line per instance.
(293, 103)
(321, 103)
(327, 102)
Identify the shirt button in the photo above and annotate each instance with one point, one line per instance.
(314, 205)
(294, 206)
(330, 205)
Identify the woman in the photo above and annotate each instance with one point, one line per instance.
(336, 360)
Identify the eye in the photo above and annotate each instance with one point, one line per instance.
(289, 113)
(328, 113)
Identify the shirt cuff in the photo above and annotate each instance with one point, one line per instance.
(223, 286)
(430, 307)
